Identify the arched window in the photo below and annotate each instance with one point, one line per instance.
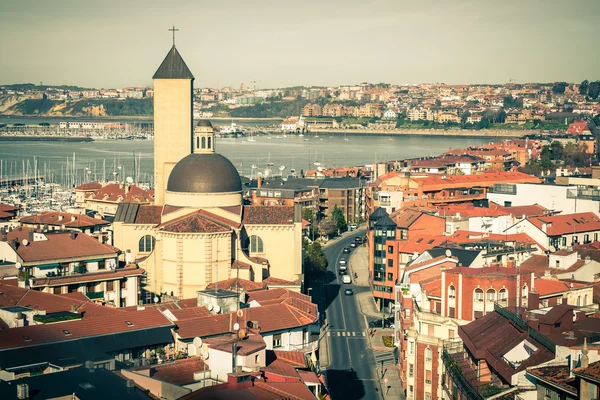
(209, 142)
(478, 294)
(524, 292)
(502, 295)
(490, 295)
(256, 244)
(451, 292)
(147, 244)
(203, 142)
(197, 142)
(585, 303)
(428, 354)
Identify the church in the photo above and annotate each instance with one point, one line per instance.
(198, 231)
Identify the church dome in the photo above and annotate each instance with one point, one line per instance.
(204, 173)
(204, 122)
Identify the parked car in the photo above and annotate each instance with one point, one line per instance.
(346, 250)
(343, 268)
(342, 261)
(353, 245)
(358, 240)
(352, 226)
(348, 292)
(346, 279)
(377, 323)
(343, 272)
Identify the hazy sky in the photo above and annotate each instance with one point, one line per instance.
(118, 43)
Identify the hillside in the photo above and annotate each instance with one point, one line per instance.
(92, 108)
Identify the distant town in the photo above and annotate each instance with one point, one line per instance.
(512, 106)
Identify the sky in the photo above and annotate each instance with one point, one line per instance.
(278, 43)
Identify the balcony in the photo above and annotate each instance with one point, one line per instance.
(455, 199)
(95, 295)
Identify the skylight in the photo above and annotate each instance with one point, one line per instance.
(26, 338)
(66, 332)
(129, 323)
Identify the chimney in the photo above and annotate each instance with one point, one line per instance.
(533, 300)
(22, 391)
(73, 235)
(259, 182)
(585, 361)
(60, 217)
(73, 218)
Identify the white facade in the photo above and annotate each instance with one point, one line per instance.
(552, 197)
(390, 201)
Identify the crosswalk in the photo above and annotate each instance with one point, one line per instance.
(384, 355)
(347, 334)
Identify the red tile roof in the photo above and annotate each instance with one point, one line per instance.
(538, 264)
(68, 220)
(234, 284)
(179, 372)
(289, 390)
(550, 286)
(113, 321)
(534, 210)
(205, 327)
(469, 210)
(591, 371)
(89, 186)
(558, 375)
(272, 281)
(565, 224)
(486, 179)
(190, 312)
(195, 222)
(16, 296)
(252, 343)
(148, 214)
(117, 193)
(268, 215)
(58, 246)
(87, 277)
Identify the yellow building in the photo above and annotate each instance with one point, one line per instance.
(198, 231)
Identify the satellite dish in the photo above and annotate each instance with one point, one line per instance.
(210, 307)
(552, 249)
(205, 355)
(448, 253)
(236, 326)
(217, 309)
(129, 179)
(197, 342)
(156, 299)
(25, 242)
(18, 265)
(240, 313)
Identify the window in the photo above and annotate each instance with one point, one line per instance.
(451, 292)
(595, 236)
(585, 302)
(586, 238)
(403, 235)
(277, 340)
(427, 396)
(390, 262)
(564, 240)
(110, 286)
(410, 370)
(508, 204)
(208, 143)
(147, 244)
(57, 290)
(428, 354)
(431, 330)
(256, 359)
(451, 312)
(123, 284)
(578, 301)
(574, 239)
(256, 244)
(524, 292)
(478, 294)
(390, 276)
(203, 142)
(502, 295)
(490, 295)
(548, 394)
(428, 378)
(451, 333)
(66, 332)
(411, 347)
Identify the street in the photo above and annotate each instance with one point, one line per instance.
(350, 374)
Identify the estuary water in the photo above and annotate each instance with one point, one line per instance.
(124, 158)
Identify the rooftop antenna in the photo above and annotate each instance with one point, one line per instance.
(173, 30)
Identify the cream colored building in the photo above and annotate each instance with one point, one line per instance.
(198, 231)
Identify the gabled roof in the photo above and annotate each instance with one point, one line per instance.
(566, 224)
(173, 67)
(69, 220)
(199, 221)
(465, 257)
(235, 284)
(378, 213)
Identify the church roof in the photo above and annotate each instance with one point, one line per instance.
(173, 67)
(268, 215)
(195, 223)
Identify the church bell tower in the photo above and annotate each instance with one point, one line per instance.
(173, 118)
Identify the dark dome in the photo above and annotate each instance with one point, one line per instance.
(204, 122)
(204, 173)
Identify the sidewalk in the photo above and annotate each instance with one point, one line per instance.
(392, 389)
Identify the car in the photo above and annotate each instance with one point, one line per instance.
(348, 292)
(387, 323)
(358, 239)
(353, 245)
(353, 226)
(346, 250)
(343, 268)
(343, 272)
(346, 279)
(342, 261)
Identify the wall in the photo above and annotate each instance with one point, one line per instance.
(550, 196)
(127, 237)
(158, 388)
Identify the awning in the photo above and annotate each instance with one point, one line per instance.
(96, 260)
(47, 266)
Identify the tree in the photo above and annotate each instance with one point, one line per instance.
(583, 87)
(559, 87)
(438, 102)
(315, 261)
(308, 214)
(464, 116)
(337, 216)
(594, 90)
(326, 227)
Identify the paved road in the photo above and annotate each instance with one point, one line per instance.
(350, 374)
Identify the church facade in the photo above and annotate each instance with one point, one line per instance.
(199, 231)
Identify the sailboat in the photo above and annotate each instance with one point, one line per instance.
(251, 138)
(345, 138)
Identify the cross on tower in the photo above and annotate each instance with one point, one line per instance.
(173, 30)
